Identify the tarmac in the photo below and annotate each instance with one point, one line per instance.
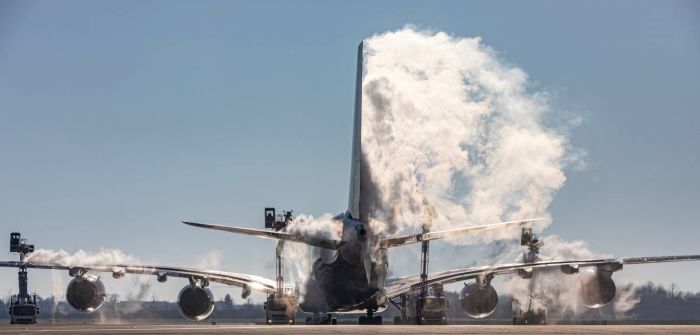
(346, 329)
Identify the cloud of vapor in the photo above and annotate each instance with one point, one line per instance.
(626, 299)
(447, 123)
(58, 287)
(140, 285)
(82, 257)
(550, 288)
(137, 289)
(298, 257)
(210, 261)
(557, 292)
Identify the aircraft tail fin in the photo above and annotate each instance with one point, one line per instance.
(354, 201)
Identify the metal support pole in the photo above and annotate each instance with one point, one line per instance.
(403, 308)
(278, 260)
(23, 296)
(424, 259)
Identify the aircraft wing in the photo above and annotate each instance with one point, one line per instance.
(433, 235)
(403, 285)
(313, 241)
(255, 283)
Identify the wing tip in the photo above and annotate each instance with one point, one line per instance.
(194, 224)
(533, 220)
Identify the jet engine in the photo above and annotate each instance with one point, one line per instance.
(596, 287)
(86, 293)
(478, 301)
(195, 303)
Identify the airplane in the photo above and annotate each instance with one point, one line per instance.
(354, 277)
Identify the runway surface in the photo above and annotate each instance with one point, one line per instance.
(347, 329)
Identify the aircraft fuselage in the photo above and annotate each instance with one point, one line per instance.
(351, 277)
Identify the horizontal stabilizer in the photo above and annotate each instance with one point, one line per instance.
(312, 241)
(415, 238)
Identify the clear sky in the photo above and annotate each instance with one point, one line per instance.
(118, 119)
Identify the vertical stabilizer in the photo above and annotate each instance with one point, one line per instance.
(355, 175)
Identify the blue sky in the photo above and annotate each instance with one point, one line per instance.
(118, 119)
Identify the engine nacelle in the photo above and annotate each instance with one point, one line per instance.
(478, 301)
(195, 303)
(596, 287)
(86, 293)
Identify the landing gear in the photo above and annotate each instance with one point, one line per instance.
(317, 319)
(370, 319)
(530, 317)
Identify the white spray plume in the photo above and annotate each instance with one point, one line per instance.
(558, 292)
(210, 261)
(140, 284)
(58, 287)
(551, 289)
(82, 257)
(626, 299)
(297, 256)
(447, 123)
